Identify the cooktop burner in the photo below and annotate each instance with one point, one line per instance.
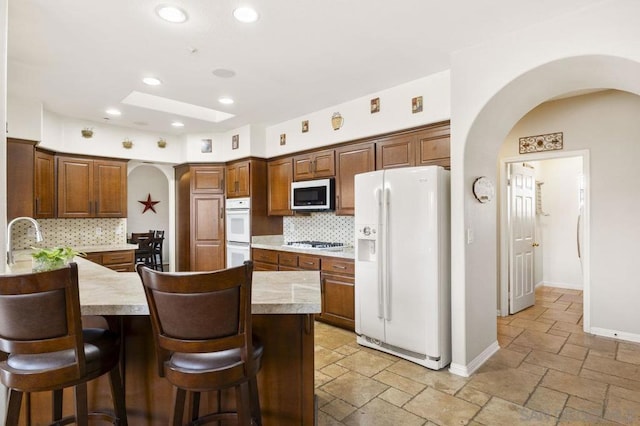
(320, 245)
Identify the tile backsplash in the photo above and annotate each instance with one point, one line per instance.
(70, 232)
(319, 227)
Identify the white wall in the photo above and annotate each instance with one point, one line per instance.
(395, 114)
(558, 228)
(3, 160)
(24, 118)
(494, 85)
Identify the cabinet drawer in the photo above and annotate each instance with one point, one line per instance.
(266, 256)
(338, 266)
(94, 257)
(288, 259)
(124, 267)
(117, 257)
(309, 262)
(260, 266)
(287, 268)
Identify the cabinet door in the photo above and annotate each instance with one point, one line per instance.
(314, 165)
(110, 188)
(75, 188)
(397, 151)
(207, 179)
(324, 164)
(303, 167)
(207, 232)
(434, 147)
(351, 160)
(232, 180)
(44, 185)
(338, 300)
(238, 180)
(279, 177)
(19, 178)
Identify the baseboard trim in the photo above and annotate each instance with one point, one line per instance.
(469, 369)
(560, 285)
(621, 335)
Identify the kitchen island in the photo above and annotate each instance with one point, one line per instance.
(283, 305)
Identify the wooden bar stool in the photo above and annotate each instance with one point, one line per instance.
(202, 330)
(41, 331)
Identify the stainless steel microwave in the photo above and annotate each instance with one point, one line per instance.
(313, 195)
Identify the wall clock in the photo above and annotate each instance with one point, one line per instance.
(483, 189)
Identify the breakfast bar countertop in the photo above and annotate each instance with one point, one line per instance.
(106, 292)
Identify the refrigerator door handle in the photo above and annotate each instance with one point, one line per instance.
(387, 255)
(379, 202)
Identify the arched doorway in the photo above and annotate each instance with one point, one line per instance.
(475, 271)
(146, 179)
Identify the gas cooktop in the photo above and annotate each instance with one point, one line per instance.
(318, 245)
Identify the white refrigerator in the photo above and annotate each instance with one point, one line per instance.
(402, 268)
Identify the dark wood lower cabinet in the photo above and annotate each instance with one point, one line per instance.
(336, 277)
(285, 381)
(119, 261)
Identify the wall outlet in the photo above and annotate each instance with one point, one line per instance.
(98, 231)
(469, 235)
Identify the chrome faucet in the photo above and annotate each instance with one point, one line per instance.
(36, 226)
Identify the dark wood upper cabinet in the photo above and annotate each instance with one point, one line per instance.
(20, 175)
(434, 147)
(396, 151)
(91, 188)
(314, 165)
(238, 179)
(44, 185)
(279, 178)
(350, 161)
(207, 179)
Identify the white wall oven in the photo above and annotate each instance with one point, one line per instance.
(238, 231)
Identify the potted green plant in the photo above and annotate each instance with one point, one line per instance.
(46, 259)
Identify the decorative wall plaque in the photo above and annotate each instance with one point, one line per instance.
(538, 143)
(235, 141)
(375, 105)
(416, 104)
(283, 139)
(206, 146)
(305, 126)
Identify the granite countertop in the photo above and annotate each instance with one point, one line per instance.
(112, 247)
(106, 292)
(276, 242)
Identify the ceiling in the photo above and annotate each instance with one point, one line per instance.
(80, 57)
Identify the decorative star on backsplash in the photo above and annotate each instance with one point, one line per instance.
(148, 204)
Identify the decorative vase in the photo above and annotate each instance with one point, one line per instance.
(86, 133)
(162, 143)
(336, 121)
(127, 144)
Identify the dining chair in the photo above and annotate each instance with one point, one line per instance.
(203, 338)
(144, 252)
(156, 250)
(41, 331)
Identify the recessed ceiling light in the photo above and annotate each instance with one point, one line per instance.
(245, 14)
(225, 100)
(171, 13)
(223, 73)
(113, 111)
(177, 124)
(152, 81)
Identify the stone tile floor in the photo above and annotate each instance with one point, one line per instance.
(547, 372)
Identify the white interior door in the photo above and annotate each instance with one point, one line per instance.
(522, 226)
